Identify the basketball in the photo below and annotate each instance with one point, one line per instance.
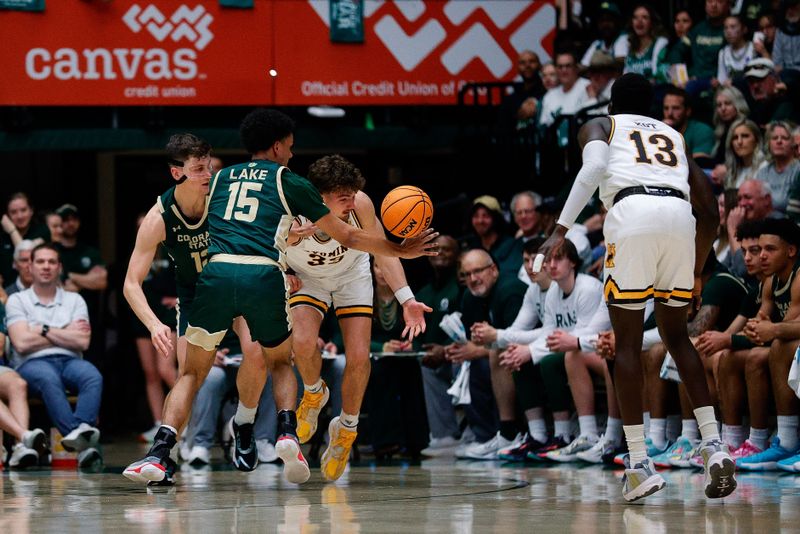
(406, 211)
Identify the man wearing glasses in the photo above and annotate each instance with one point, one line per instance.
(569, 96)
(492, 298)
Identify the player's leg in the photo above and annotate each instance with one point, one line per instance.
(781, 354)
(306, 321)
(343, 429)
(719, 466)
(154, 389)
(656, 390)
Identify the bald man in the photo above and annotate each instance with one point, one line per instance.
(492, 298)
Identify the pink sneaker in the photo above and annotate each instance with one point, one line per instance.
(745, 449)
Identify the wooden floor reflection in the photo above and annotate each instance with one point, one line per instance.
(436, 496)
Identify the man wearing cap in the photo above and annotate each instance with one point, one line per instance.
(769, 99)
(83, 271)
(603, 70)
(489, 229)
(699, 49)
(612, 41)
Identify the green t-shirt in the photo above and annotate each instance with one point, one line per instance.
(78, 259)
(782, 294)
(499, 308)
(726, 291)
(444, 298)
(186, 241)
(699, 49)
(699, 139)
(252, 206)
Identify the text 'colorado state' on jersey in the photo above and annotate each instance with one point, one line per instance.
(643, 152)
(186, 243)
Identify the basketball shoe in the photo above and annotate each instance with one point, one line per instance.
(641, 480)
(334, 459)
(308, 412)
(570, 452)
(295, 466)
(153, 467)
(719, 469)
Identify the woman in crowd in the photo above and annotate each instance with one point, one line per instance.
(736, 54)
(782, 170)
(648, 47)
(549, 76)
(743, 155)
(681, 25)
(730, 105)
(726, 201)
(18, 224)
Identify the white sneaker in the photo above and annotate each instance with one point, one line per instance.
(570, 452)
(80, 438)
(266, 451)
(36, 439)
(184, 449)
(487, 450)
(199, 455)
(441, 447)
(595, 454)
(22, 457)
(89, 457)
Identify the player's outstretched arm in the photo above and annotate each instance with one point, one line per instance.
(413, 310)
(150, 234)
(352, 237)
(593, 138)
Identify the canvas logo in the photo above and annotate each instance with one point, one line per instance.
(452, 33)
(152, 64)
(185, 23)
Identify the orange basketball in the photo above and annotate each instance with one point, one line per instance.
(406, 211)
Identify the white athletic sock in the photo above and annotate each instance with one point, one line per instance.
(562, 429)
(244, 414)
(707, 422)
(787, 431)
(349, 421)
(759, 437)
(588, 425)
(673, 428)
(316, 387)
(658, 433)
(733, 435)
(614, 431)
(537, 429)
(646, 420)
(689, 429)
(634, 435)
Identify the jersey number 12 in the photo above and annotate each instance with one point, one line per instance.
(245, 207)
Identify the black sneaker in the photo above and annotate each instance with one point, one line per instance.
(520, 454)
(245, 451)
(608, 459)
(540, 454)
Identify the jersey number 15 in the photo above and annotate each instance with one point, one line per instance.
(245, 207)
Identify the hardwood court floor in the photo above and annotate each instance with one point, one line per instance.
(439, 495)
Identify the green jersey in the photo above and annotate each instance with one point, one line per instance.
(252, 206)
(186, 243)
(782, 294)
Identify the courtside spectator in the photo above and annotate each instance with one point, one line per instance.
(783, 170)
(698, 135)
(18, 224)
(613, 40)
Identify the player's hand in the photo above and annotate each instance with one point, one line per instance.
(697, 297)
(760, 330)
(298, 232)
(606, 345)
(515, 356)
(169, 302)
(294, 282)
(161, 336)
(414, 317)
(711, 342)
(483, 333)
(420, 245)
(554, 242)
(434, 355)
(560, 341)
(462, 352)
(330, 348)
(219, 357)
(7, 223)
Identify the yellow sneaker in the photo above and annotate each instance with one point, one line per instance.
(308, 412)
(335, 457)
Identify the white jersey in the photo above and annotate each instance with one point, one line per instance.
(320, 256)
(573, 312)
(643, 152)
(523, 330)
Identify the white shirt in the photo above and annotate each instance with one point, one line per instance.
(65, 308)
(618, 49)
(569, 313)
(321, 257)
(531, 313)
(559, 102)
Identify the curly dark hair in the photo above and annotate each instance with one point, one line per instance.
(262, 128)
(334, 173)
(181, 147)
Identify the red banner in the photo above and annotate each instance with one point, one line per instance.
(168, 52)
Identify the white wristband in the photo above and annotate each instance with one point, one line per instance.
(403, 295)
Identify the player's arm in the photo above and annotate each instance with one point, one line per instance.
(593, 138)
(413, 310)
(352, 237)
(151, 233)
(704, 205)
(789, 328)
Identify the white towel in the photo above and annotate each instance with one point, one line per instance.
(460, 388)
(794, 373)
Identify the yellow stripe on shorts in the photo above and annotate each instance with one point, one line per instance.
(307, 300)
(354, 311)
